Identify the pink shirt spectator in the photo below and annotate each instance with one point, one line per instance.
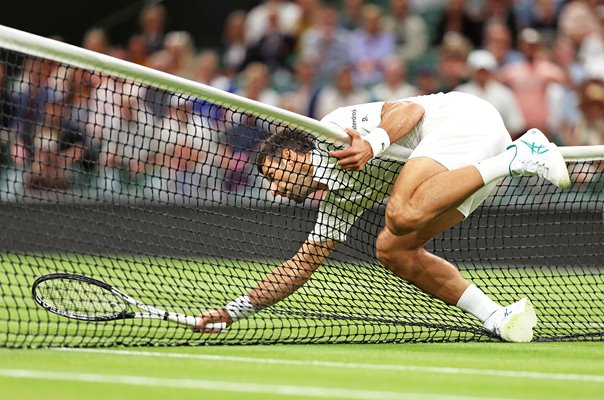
(529, 82)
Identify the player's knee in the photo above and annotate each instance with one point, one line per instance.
(403, 262)
(403, 220)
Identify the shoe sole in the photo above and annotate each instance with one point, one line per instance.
(563, 183)
(518, 327)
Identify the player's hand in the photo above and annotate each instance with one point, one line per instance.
(212, 317)
(357, 155)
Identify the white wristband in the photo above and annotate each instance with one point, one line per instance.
(240, 308)
(379, 141)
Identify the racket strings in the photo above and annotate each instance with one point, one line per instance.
(80, 298)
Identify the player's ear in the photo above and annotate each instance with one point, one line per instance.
(288, 155)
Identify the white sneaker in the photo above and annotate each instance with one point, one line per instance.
(513, 323)
(537, 156)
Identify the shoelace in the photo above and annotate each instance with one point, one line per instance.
(538, 167)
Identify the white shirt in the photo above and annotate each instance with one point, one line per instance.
(351, 193)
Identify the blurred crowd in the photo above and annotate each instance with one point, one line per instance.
(540, 63)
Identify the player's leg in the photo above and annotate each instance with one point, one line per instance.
(424, 190)
(407, 258)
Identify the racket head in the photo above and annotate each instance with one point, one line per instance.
(79, 297)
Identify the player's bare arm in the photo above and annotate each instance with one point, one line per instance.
(276, 286)
(398, 119)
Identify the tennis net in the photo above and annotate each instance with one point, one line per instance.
(147, 182)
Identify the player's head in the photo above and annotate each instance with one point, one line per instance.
(285, 161)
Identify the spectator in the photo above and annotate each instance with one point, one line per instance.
(498, 11)
(427, 80)
(53, 158)
(352, 15)
(342, 93)
(137, 50)
(156, 99)
(255, 25)
(274, 47)
(498, 41)
(153, 24)
(457, 19)
(484, 85)
(207, 70)
(452, 66)
(256, 84)
(29, 94)
(310, 15)
(395, 85)
(301, 96)
(234, 47)
(530, 79)
(179, 46)
(246, 129)
(410, 31)
(370, 46)
(96, 40)
(541, 15)
(590, 127)
(579, 21)
(326, 46)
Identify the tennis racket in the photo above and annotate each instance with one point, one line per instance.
(87, 299)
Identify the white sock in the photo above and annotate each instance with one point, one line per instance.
(495, 167)
(474, 301)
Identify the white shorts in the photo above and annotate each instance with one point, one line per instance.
(465, 130)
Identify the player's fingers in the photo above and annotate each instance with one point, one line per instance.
(341, 153)
(352, 133)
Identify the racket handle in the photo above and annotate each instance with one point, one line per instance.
(194, 321)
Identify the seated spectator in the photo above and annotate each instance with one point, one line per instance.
(579, 20)
(137, 50)
(498, 41)
(484, 85)
(95, 39)
(370, 46)
(501, 11)
(457, 19)
(310, 14)
(256, 84)
(530, 79)
(54, 155)
(255, 25)
(410, 31)
(207, 70)
(274, 47)
(233, 47)
(246, 130)
(427, 80)
(395, 86)
(153, 24)
(325, 46)
(590, 127)
(352, 14)
(301, 94)
(342, 93)
(179, 45)
(452, 66)
(541, 15)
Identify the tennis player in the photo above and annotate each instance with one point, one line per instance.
(460, 150)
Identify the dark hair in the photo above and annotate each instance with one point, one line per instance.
(284, 138)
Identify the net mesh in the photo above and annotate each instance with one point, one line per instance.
(156, 193)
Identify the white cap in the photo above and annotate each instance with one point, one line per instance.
(482, 59)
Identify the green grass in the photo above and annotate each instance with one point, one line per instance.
(403, 371)
(341, 303)
(330, 371)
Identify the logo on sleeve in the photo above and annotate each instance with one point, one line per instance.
(354, 118)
